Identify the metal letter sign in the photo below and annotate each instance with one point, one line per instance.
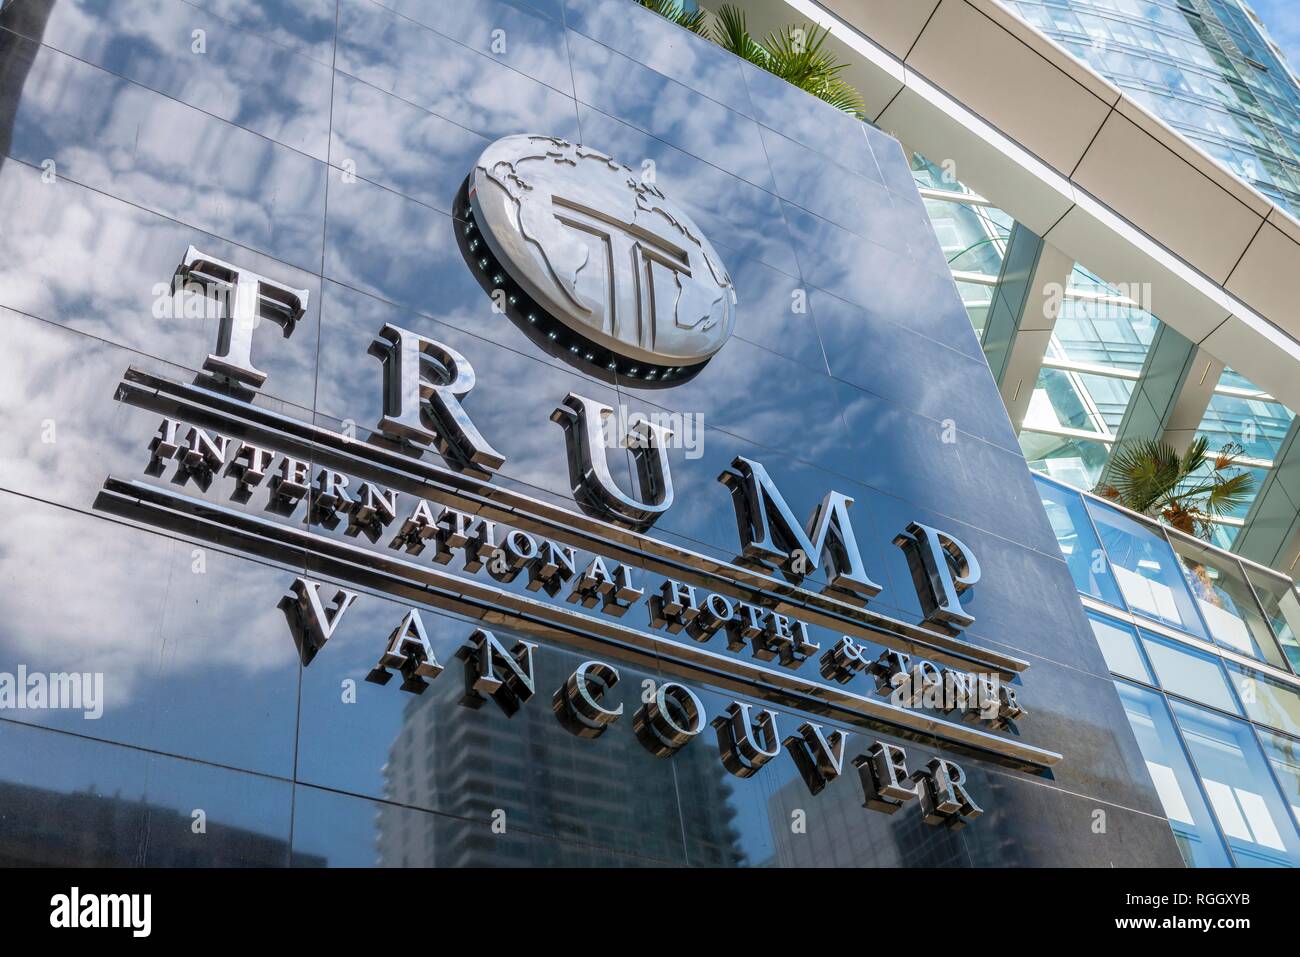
(769, 531)
(603, 251)
(617, 261)
(584, 420)
(412, 399)
(248, 297)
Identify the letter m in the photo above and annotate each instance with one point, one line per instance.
(770, 534)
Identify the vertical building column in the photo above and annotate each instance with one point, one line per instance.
(1022, 315)
(1174, 389)
(1272, 532)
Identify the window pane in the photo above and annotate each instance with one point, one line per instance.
(1227, 602)
(1119, 647)
(1102, 332)
(1076, 462)
(1222, 536)
(1284, 754)
(1282, 608)
(1145, 567)
(1110, 395)
(1078, 542)
(1258, 425)
(1057, 404)
(1173, 778)
(1256, 823)
(1190, 673)
(1267, 701)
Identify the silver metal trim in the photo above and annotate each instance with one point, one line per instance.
(1161, 528)
(1199, 644)
(490, 604)
(470, 494)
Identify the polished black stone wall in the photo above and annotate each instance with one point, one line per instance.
(323, 144)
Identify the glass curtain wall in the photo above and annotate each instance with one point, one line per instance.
(972, 233)
(1094, 358)
(1202, 647)
(1247, 417)
(1095, 355)
(1209, 70)
(1089, 372)
(1205, 67)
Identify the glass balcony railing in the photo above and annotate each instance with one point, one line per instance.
(1170, 579)
(1202, 646)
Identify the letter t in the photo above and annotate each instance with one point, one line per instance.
(248, 298)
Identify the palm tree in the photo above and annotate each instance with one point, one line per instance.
(675, 10)
(1149, 476)
(795, 54)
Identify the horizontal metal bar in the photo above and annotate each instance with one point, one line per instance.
(471, 494)
(1237, 392)
(1160, 528)
(389, 573)
(974, 278)
(1067, 433)
(1091, 368)
(1200, 644)
(952, 196)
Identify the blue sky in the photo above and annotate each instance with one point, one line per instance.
(1283, 20)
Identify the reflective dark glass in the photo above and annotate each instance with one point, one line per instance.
(326, 147)
(1078, 542)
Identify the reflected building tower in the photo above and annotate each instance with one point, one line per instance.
(531, 774)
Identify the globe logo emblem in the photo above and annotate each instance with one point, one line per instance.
(631, 279)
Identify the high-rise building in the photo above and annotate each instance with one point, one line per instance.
(523, 432)
(1111, 372)
(1205, 67)
(1209, 71)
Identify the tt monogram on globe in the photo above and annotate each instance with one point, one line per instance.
(603, 270)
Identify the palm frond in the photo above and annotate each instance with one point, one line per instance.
(1144, 471)
(694, 20)
(844, 97)
(1226, 457)
(1185, 492)
(796, 54)
(730, 32)
(1151, 477)
(1194, 455)
(799, 56)
(1230, 494)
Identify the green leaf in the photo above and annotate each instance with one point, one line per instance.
(796, 54)
(1229, 494)
(1151, 477)
(731, 33)
(695, 21)
(1194, 455)
(1144, 472)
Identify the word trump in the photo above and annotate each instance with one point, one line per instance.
(425, 385)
